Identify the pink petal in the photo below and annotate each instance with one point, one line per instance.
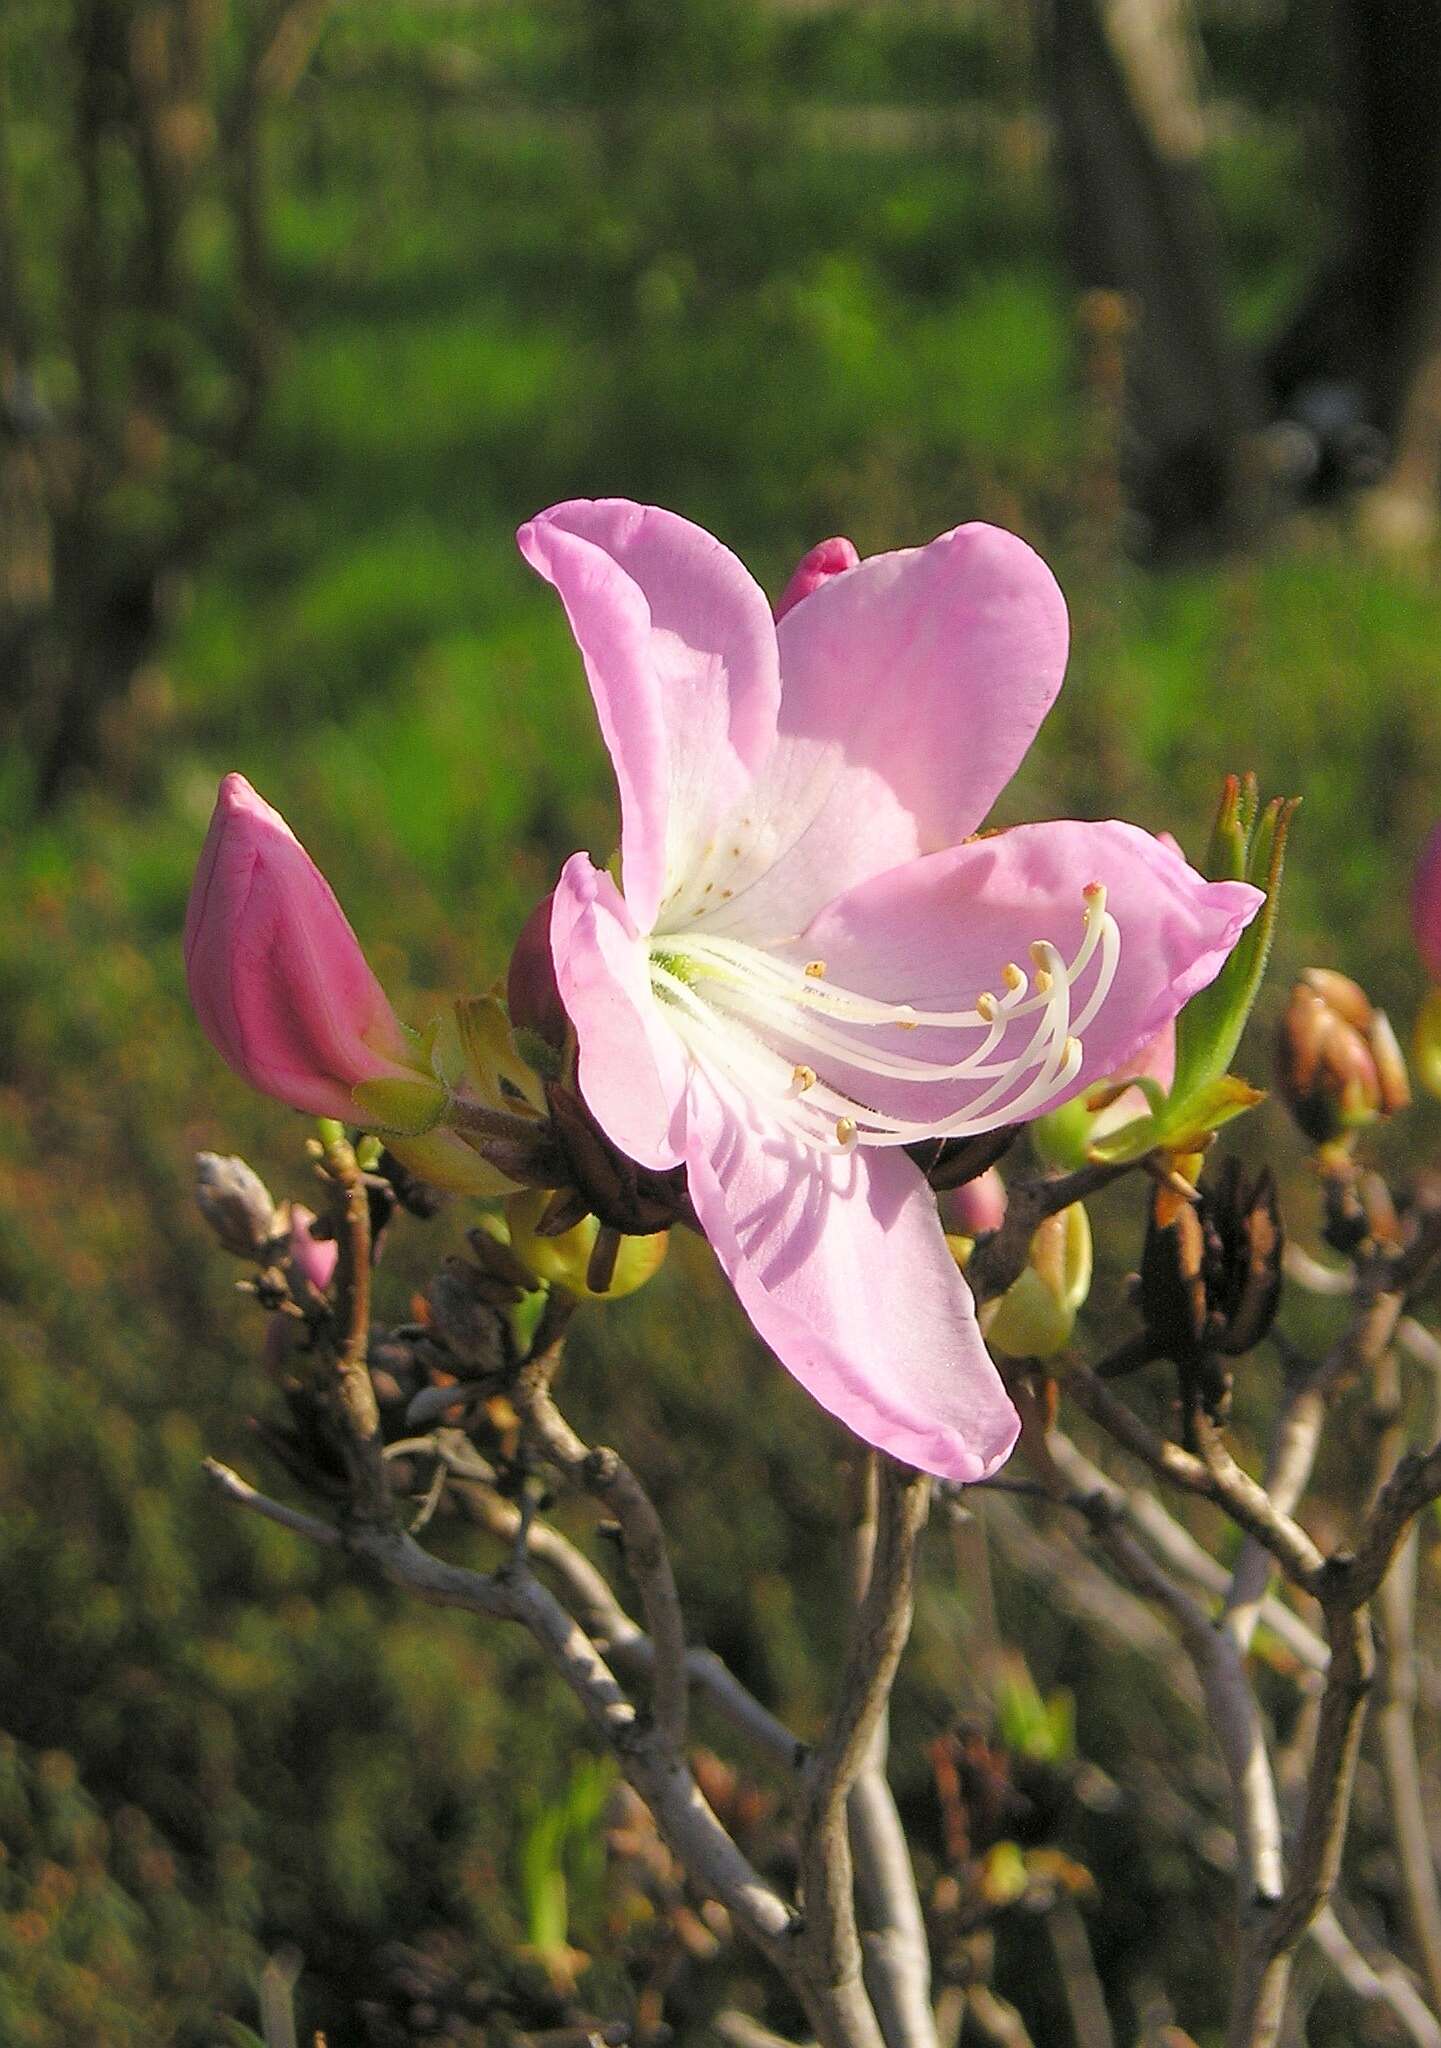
(1426, 905)
(680, 650)
(840, 1263)
(631, 1066)
(940, 931)
(826, 559)
(912, 687)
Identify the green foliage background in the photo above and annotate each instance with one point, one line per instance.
(792, 272)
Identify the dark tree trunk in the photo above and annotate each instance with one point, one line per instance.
(1138, 221)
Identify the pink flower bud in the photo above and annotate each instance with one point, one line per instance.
(276, 974)
(530, 991)
(826, 559)
(976, 1207)
(314, 1258)
(1426, 905)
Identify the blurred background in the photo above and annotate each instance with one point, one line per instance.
(303, 307)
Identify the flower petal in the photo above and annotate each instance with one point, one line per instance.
(631, 1066)
(912, 686)
(680, 650)
(840, 1263)
(939, 931)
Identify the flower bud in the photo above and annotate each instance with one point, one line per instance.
(571, 1258)
(313, 1258)
(1035, 1316)
(976, 1207)
(1063, 1137)
(1338, 1064)
(828, 558)
(276, 974)
(1426, 905)
(236, 1203)
(530, 992)
(1426, 1043)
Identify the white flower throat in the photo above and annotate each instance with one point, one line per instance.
(776, 1031)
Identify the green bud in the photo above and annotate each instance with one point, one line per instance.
(1034, 1318)
(567, 1259)
(1245, 846)
(1426, 1044)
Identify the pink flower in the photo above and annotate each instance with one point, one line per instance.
(811, 963)
(276, 974)
(1426, 905)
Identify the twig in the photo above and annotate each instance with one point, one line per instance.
(232, 1487)
(997, 2021)
(1264, 1976)
(685, 1821)
(592, 1600)
(605, 1474)
(1295, 1441)
(1179, 1549)
(1386, 1984)
(895, 1951)
(1000, 1258)
(365, 1452)
(1396, 1713)
(1217, 1477)
(882, 1625)
(739, 2030)
(1076, 1967)
(1234, 1715)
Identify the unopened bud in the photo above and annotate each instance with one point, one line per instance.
(313, 1258)
(1063, 1137)
(531, 994)
(827, 559)
(974, 1208)
(236, 1203)
(1035, 1316)
(1426, 905)
(1339, 1066)
(1426, 1043)
(581, 1259)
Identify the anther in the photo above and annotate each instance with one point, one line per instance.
(1043, 981)
(987, 1006)
(1040, 952)
(845, 1130)
(1012, 976)
(1072, 1051)
(815, 969)
(803, 1078)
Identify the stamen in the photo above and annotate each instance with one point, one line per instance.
(747, 1013)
